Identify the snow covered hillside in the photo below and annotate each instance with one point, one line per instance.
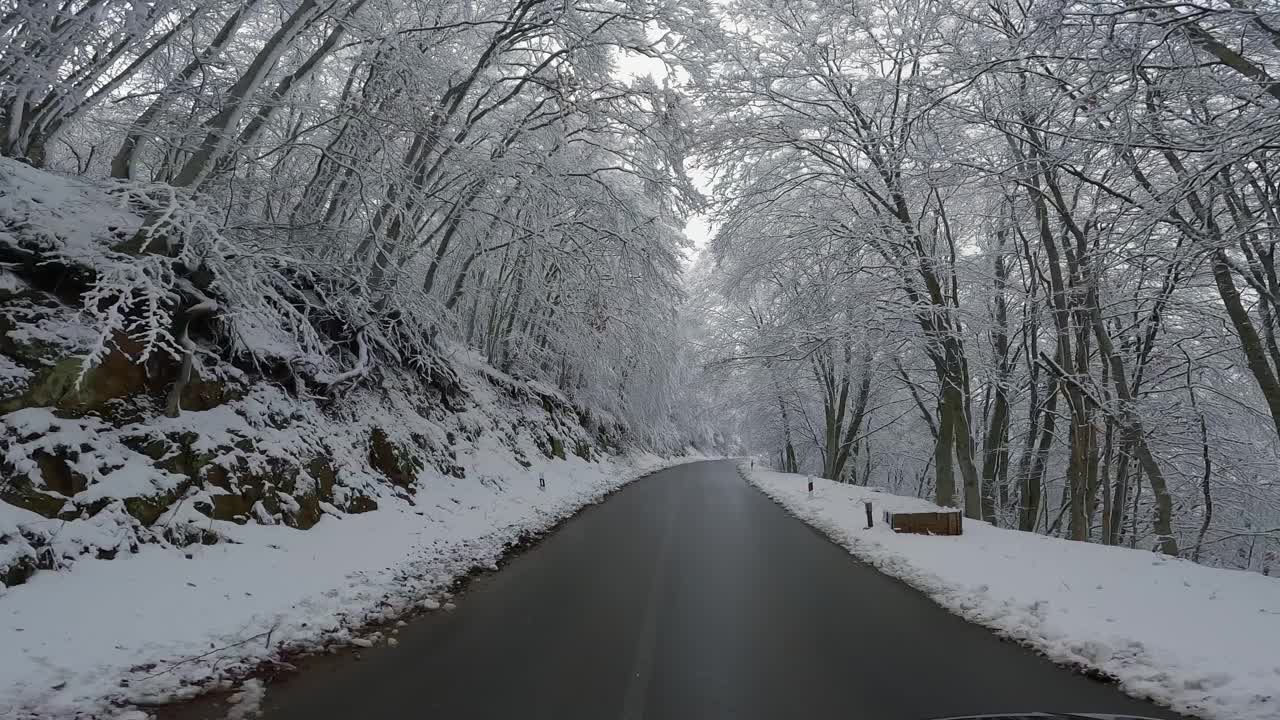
(195, 479)
(1199, 639)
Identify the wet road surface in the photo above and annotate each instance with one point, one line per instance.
(689, 595)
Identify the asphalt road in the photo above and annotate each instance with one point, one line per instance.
(689, 594)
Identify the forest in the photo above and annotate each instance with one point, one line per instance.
(1014, 256)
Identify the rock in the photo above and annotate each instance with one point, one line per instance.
(557, 447)
(18, 572)
(19, 491)
(361, 504)
(174, 452)
(231, 507)
(57, 474)
(309, 510)
(12, 286)
(117, 377)
(201, 394)
(307, 513)
(148, 508)
(400, 466)
(325, 477)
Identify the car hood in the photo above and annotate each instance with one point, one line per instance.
(1046, 716)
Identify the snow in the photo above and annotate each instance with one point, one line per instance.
(11, 283)
(72, 216)
(69, 334)
(111, 469)
(165, 623)
(13, 377)
(247, 703)
(1201, 640)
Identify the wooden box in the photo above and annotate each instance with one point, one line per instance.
(927, 523)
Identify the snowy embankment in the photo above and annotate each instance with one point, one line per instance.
(1202, 640)
(163, 623)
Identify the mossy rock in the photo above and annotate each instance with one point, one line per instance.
(308, 513)
(19, 492)
(557, 447)
(31, 355)
(231, 508)
(244, 487)
(18, 572)
(117, 377)
(400, 467)
(154, 448)
(174, 452)
(33, 308)
(324, 478)
(361, 504)
(57, 474)
(217, 476)
(199, 394)
(321, 470)
(49, 388)
(281, 475)
(148, 509)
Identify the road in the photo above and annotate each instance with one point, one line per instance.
(689, 594)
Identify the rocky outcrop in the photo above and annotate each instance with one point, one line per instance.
(93, 451)
(91, 464)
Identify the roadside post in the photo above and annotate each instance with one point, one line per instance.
(542, 481)
(867, 504)
(810, 484)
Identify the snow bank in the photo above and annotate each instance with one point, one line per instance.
(165, 623)
(1202, 640)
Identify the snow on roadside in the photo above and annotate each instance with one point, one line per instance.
(246, 703)
(1201, 640)
(166, 623)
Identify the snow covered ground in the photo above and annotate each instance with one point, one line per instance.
(1201, 640)
(167, 622)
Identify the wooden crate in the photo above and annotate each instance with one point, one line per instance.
(926, 523)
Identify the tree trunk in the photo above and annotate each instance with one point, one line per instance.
(945, 483)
